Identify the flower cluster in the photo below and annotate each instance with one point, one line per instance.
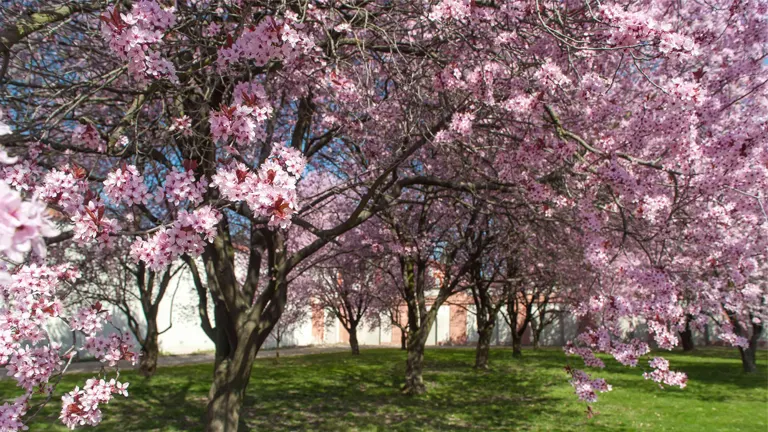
(271, 39)
(91, 225)
(22, 175)
(446, 10)
(244, 119)
(272, 192)
(182, 185)
(111, 349)
(630, 26)
(126, 185)
(11, 415)
(29, 299)
(182, 237)
(23, 225)
(32, 367)
(81, 407)
(64, 188)
(585, 353)
(89, 320)
(135, 36)
(662, 375)
(585, 387)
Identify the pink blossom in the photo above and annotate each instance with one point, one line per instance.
(181, 186)
(23, 224)
(126, 184)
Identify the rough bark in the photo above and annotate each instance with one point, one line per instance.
(149, 351)
(230, 379)
(517, 343)
(748, 354)
(353, 343)
(686, 337)
(414, 366)
(748, 361)
(483, 346)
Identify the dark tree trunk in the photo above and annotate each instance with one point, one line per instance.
(353, 343)
(414, 366)
(232, 372)
(150, 351)
(225, 398)
(536, 337)
(483, 346)
(748, 360)
(748, 355)
(686, 336)
(403, 340)
(517, 343)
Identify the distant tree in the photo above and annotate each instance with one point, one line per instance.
(135, 290)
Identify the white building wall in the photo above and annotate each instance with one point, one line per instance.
(179, 319)
(182, 333)
(443, 324)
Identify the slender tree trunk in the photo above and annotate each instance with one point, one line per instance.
(483, 346)
(353, 343)
(536, 330)
(517, 343)
(277, 348)
(149, 351)
(403, 340)
(686, 336)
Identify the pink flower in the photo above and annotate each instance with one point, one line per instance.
(126, 185)
(23, 224)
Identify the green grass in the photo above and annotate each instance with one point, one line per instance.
(337, 392)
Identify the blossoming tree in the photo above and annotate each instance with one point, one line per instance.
(188, 126)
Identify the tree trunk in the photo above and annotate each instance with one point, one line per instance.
(225, 398)
(414, 367)
(686, 336)
(748, 361)
(517, 343)
(403, 340)
(483, 346)
(353, 343)
(748, 355)
(149, 351)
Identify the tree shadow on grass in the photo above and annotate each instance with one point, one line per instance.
(173, 400)
(364, 394)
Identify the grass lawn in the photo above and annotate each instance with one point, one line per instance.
(336, 392)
